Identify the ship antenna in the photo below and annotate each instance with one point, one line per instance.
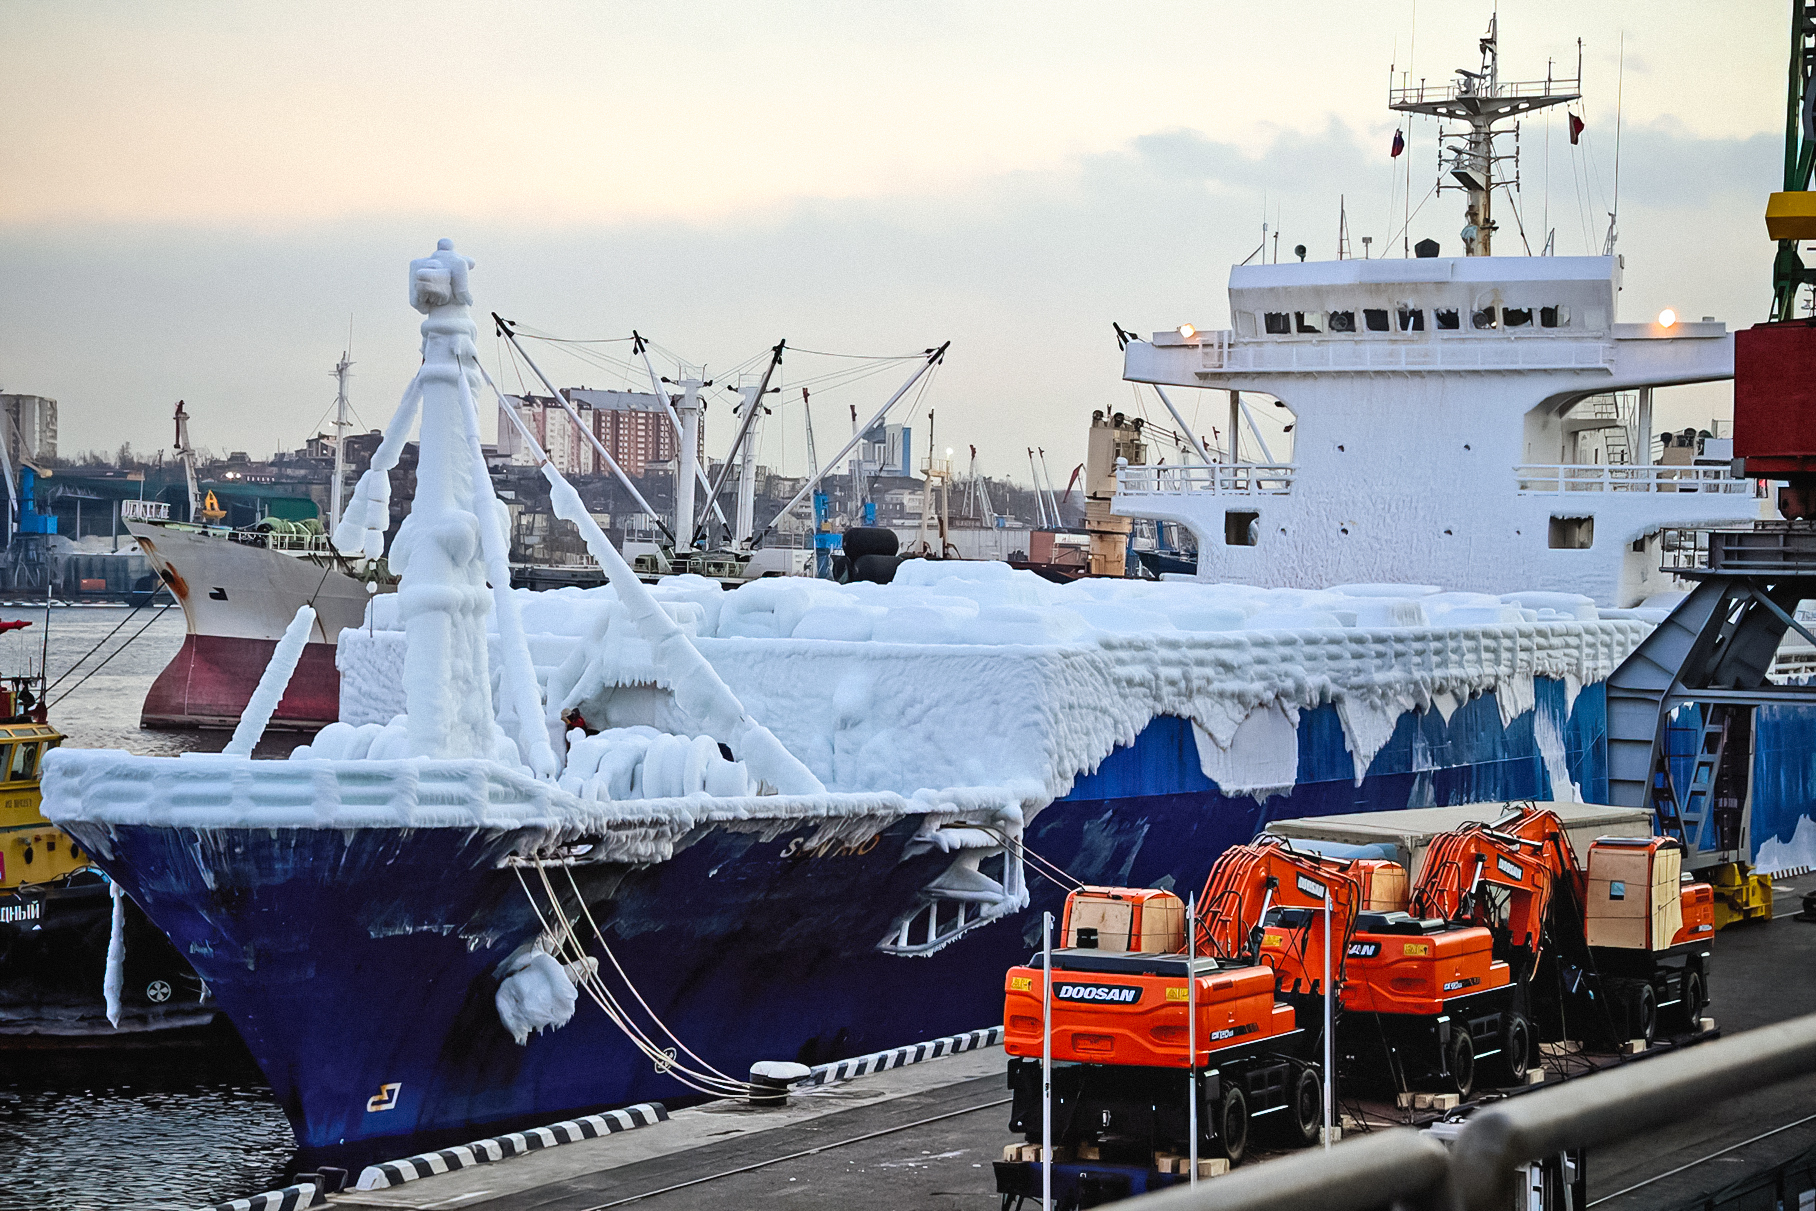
(1619, 91)
(1480, 100)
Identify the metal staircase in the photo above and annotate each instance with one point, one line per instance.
(1617, 445)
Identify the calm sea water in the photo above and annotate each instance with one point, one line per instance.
(161, 1129)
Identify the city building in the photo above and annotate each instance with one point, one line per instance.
(631, 425)
(31, 429)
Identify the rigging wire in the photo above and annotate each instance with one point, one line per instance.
(91, 651)
(103, 664)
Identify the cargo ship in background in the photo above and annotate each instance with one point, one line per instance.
(239, 589)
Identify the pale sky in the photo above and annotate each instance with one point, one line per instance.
(195, 199)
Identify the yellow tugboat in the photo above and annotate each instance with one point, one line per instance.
(57, 918)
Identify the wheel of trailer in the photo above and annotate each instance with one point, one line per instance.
(1692, 999)
(1460, 1060)
(1233, 1124)
(1306, 1111)
(1516, 1049)
(1642, 1012)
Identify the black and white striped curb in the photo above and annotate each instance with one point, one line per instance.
(290, 1198)
(878, 1061)
(499, 1147)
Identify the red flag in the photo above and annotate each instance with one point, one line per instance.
(1576, 129)
(1399, 145)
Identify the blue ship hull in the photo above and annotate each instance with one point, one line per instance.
(356, 959)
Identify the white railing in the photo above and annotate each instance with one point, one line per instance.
(1397, 354)
(144, 510)
(1541, 480)
(1455, 90)
(1217, 479)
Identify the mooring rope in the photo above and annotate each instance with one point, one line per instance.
(584, 971)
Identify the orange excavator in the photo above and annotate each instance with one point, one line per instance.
(1438, 988)
(1121, 1040)
(1510, 938)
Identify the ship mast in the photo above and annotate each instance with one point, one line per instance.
(1479, 99)
(186, 453)
(340, 442)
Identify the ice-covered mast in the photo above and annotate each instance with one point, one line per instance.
(450, 553)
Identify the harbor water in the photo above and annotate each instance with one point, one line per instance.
(163, 1128)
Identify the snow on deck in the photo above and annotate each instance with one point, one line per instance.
(976, 674)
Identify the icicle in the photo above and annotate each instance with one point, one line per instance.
(368, 515)
(116, 957)
(272, 684)
(519, 687)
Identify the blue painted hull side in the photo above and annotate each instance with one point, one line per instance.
(353, 960)
(1783, 773)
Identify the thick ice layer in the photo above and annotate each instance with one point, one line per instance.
(534, 994)
(107, 787)
(973, 673)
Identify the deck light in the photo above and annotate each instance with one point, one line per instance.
(1666, 318)
(1187, 331)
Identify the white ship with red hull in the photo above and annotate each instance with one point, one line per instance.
(239, 590)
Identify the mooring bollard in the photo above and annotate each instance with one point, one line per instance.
(770, 1079)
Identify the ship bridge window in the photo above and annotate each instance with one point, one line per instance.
(1516, 317)
(1485, 318)
(1445, 318)
(1342, 321)
(1375, 319)
(25, 762)
(1554, 317)
(1308, 321)
(1412, 319)
(1277, 323)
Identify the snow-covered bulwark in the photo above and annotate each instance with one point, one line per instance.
(970, 674)
(106, 787)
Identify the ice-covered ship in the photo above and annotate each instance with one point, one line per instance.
(792, 821)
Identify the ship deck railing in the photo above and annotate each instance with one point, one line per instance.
(1545, 479)
(300, 544)
(1222, 351)
(1472, 90)
(144, 510)
(1215, 479)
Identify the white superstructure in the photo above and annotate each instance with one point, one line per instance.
(1451, 418)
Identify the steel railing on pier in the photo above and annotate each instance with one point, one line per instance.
(1408, 1168)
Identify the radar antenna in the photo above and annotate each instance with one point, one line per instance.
(1480, 99)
